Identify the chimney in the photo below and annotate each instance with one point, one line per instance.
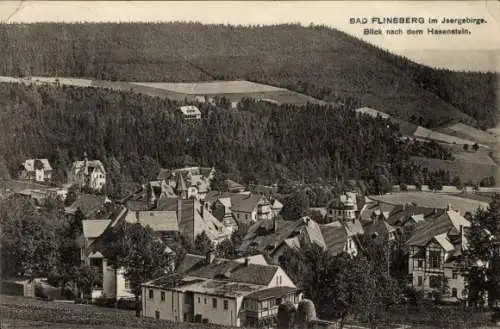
(448, 208)
(210, 257)
(137, 215)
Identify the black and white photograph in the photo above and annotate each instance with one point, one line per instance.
(249, 164)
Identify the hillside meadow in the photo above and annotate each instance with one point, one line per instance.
(316, 60)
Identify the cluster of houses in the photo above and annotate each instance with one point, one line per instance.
(248, 291)
(85, 173)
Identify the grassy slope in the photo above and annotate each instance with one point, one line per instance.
(277, 55)
(20, 312)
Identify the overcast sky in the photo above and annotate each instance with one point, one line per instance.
(478, 51)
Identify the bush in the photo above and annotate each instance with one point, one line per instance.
(126, 304)
(105, 302)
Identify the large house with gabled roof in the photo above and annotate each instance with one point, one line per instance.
(435, 248)
(38, 170)
(220, 291)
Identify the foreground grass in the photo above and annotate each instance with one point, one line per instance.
(19, 312)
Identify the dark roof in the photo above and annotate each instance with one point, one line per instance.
(261, 234)
(87, 204)
(194, 265)
(245, 202)
(427, 230)
(401, 213)
(138, 205)
(180, 184)
(186, 220)
(169, 204)
(335, 237)
(274, 292)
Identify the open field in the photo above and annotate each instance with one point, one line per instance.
(413, 130)
(430, 199)
(467, 170)
(212, 87)
(233, 90)
(467, 132)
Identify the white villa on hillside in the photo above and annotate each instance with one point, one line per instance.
(89, 174)
(36, 169)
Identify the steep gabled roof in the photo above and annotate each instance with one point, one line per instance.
(335, 235)
(261, 234)
(180, 184)
(93, 228)
(426, 231)
(30, 164)
(159, 221)
(245, 202)
(87, 204)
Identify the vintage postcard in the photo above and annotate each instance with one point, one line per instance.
(253, 164)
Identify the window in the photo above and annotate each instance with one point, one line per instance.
(199, 300)
(278, 301)
(420, 281)
(214, 302)
(246, 216)
(163, 296)
(205, 301)
(420, 263)
(226, 304)
(454, 274)
(127, 284)
(454, 292)
(157, 315)
(238, 216)
(151, 294)
(435, 258)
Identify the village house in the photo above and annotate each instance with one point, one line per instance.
(190, 112)
(88, 174)
(274, 237)
(41, 195)
(220, 291)
(189, 182)
(36, 169)
(434, 249)
(90, 206)
(245, 208)
(180, 217)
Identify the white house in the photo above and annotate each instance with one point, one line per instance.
(38, 170)
(190, 112)
(219, 291)
(89, 174)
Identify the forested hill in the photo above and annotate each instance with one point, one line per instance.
(134, 135)
(318, 61)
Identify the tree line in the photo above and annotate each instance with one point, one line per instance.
(134, 135)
